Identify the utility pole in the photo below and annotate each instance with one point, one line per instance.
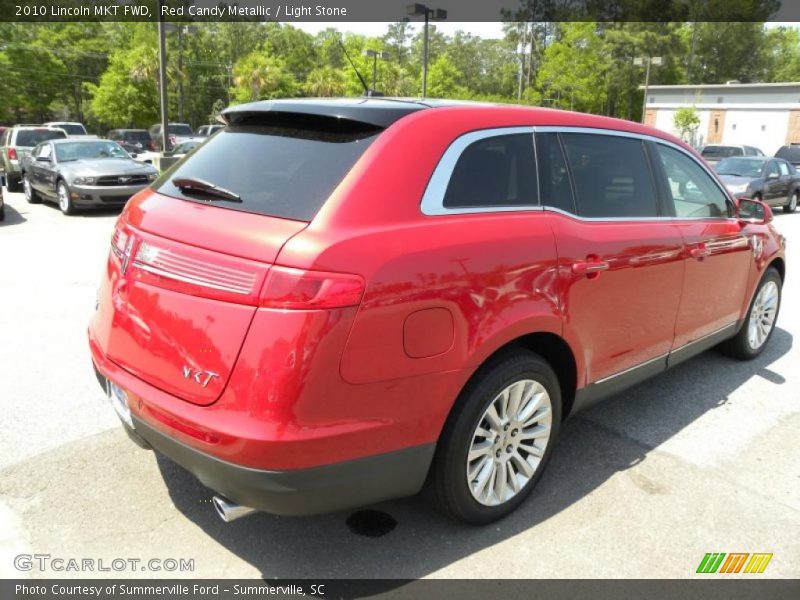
(375, 55)
(162, 78)
(647, 61)
(418, 10)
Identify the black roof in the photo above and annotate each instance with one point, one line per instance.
(377, 111)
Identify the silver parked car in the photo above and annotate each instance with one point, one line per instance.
(83, 173)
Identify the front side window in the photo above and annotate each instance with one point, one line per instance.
(691, 190)
(784, 168)
(772, 170)
(611, 176)
(494, 172)
(43, 151)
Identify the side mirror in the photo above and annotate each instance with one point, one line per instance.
(751, 211)
(134, 154)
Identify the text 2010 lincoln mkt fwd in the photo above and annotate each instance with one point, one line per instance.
(332, 303)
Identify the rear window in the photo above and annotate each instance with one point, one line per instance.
(179, 129)
(136, 136)
(790, 153)
(721, 152)
(276, 170)
(71, 128)
(34, 137)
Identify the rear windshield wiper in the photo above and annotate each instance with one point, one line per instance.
(189, 184)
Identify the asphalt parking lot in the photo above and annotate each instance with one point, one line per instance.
(704, 458)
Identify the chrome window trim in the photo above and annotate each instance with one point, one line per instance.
(638, 136)
(433, 198)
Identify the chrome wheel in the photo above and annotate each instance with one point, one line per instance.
(509, 442)
(762, 315)
(793, 203)
(63, 198)
(26, 188)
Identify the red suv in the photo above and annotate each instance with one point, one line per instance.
(333, 303)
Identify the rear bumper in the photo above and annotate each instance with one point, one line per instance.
(296, 492)
(300, 492)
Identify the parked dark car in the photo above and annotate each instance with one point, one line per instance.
(772, 180)
(332, 303)
(134, 137)
(713, 153)
(16, 143)
(790, 154)
(83, 173)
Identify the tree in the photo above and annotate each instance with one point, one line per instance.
(444, 78)
(325, 82)
(686, 121)
(258, 76)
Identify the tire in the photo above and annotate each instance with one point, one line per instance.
(791, 205)
(455, 483)
(64, 200)
(3, 212)
(13, 184)
(749, 342)
(31, 195)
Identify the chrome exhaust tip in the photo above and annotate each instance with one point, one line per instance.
(230, 511)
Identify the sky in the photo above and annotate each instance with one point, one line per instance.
(484, 30)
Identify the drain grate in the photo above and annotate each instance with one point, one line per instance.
(371, 523)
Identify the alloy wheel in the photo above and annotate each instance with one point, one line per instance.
(762, 315)
(63, 197)
(26, 188)
(509, 442)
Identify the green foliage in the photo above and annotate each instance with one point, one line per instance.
(106, 74)
(686, 121)
(259, 76)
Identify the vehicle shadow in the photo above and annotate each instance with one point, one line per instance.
(13, 217)
(590, 452)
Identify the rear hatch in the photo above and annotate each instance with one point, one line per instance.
(190, 260)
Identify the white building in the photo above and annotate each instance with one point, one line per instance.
(764, 115)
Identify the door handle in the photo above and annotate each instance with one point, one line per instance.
(699, 251)
(589, 267)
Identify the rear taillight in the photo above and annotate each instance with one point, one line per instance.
(12, 153)
(119, 242)
(299, 289)
(180, 267)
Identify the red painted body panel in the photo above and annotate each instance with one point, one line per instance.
(604, 315)
(300, 388)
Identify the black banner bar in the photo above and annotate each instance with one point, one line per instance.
(397, 10)
(714, 587)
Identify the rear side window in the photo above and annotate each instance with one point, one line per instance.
(717, 152)
(554, 187)
(611, 176)
(692, 191)
(784, 168)
(495, 171)
(280, 171)
(34, 137)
